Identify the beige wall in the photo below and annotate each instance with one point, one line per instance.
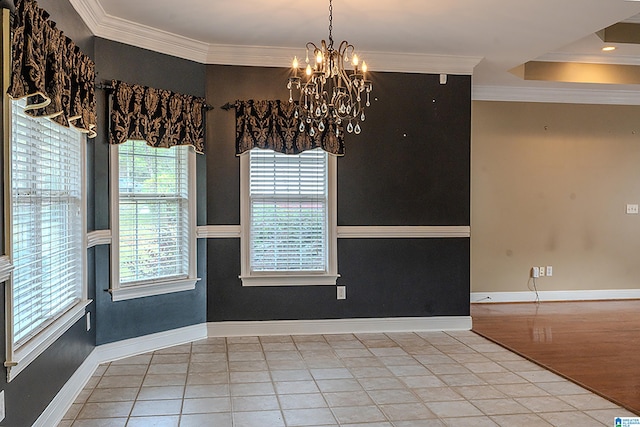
(550, 184)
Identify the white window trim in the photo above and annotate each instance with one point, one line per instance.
(29, 351)
(151, 287)
(17, 359)
(327, 278)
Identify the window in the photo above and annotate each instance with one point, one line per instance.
(47, 233)
(288, 218)
(153, 220)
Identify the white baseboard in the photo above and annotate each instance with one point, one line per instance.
(529, 296)
(134, 346)
(338, 326)
(59, 406)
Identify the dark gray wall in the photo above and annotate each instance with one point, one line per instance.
(133, 318)
(411, 163)
(409, 166)
(67, 20)
(386, 178)
(32, 390)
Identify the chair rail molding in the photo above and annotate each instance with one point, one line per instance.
(5, 268)
(98, 237)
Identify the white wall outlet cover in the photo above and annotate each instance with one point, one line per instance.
(632, 209)
(341, 292)
(535, 272)
(549, 270)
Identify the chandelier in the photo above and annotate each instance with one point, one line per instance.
(328, 93)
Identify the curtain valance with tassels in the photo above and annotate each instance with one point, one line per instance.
(159, 117)
(50, 71)
(273, 125)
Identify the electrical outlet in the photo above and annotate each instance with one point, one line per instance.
(549, 270)
(342, 292)
(88, 317)
(541, 271)
(535, 272)
(632, 209)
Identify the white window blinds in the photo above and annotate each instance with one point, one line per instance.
(288, 211)
(153, 212)
(47, 226)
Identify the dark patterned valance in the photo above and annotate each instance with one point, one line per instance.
(273, 125)
(160, 117)
(50, 71)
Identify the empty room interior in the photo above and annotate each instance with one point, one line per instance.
(216, 214)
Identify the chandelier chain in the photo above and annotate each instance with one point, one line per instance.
(330, 24)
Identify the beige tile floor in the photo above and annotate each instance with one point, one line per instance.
(375, 380)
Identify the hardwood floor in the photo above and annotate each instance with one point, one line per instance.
(595, 344)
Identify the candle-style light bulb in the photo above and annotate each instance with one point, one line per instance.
(364, 67)
(308, 70)
(355, 60)
(319, 61)
(295, 66)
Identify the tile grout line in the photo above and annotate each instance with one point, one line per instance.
(410, 345)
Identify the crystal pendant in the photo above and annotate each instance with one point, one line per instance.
(362, 117)
(355, 113)
(349, 127)
(348, 109)
(301, 128)
(289, 85)
(337, 132)
(357, 129)
(321, 127)
(308, 119)
(342, 109)
(295, 114)
(312, 132)
(324, 107)
(290, 99)
(318, 112)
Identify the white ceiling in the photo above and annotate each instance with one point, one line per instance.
(485, 38)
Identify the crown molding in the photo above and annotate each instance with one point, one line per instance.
(555, 95)
(132, 33)
(270, 56)
(589, 59)
(120, 30)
